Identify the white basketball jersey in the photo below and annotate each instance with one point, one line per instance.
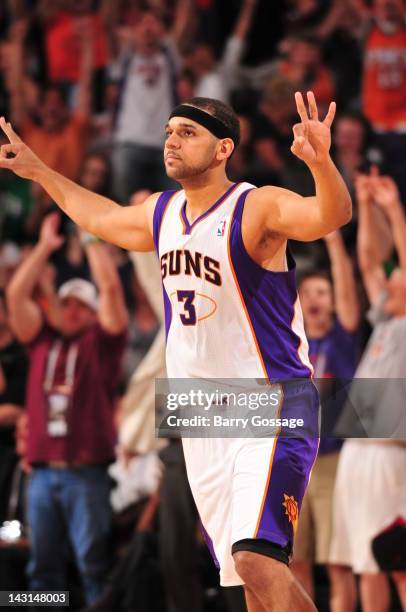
(225, 316)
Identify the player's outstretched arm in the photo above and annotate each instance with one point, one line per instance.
(287, 213)
(129, 228)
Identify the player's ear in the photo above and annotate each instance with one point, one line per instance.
(225, 148)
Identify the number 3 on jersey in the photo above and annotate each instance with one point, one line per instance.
(188, 317)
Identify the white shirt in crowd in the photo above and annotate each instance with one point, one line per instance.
(219, 82)
(147, 97)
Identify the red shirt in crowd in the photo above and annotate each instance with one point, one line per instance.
(384, 80)
(90, 434)
(63, 46)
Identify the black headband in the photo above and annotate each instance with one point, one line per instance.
(214, 125)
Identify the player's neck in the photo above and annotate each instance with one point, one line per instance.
(203, 192)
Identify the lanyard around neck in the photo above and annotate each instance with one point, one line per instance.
(70, 366)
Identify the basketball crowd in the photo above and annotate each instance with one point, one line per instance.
(90, 500)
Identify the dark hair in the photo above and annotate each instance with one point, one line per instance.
(53, 86)
(306, 37)
(105, 188)
(221, 111)
(324, 274)
(188, 75)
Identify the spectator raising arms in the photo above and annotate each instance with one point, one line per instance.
(72, 384)
(331, 316)
(216, 81)
(56, 133)
(377, 481)
(148, 72)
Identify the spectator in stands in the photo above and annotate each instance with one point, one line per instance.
(353, 152)
(243, 165)
(73, 378)
(272, 127)
(369, 491)
(13, 374)
(186, 84)
(384, 83)
(350, 147)
(62, 27)
(215, 80)
(56, 134)
(340, 32)
(304, 67)
(16, 203)
(148, 72)
(384, 79)
(95, 174)
(331, 315)
(304, 14)
(10, 53)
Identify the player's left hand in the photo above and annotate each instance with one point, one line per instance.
(312, 138)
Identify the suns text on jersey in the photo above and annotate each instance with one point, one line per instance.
(183, 261)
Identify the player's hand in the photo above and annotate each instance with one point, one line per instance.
(49, 232)
(23, 162)
(312, 138)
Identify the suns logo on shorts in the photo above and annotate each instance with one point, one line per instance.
(291, 509)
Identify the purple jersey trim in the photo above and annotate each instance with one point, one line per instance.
(159, 212)
(167, 311)
(269, 299)
(189, 226)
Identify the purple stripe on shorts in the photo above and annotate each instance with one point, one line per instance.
(291, 466)
(269, 299)
(209, 543)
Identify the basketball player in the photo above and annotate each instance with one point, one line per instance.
(231, 311)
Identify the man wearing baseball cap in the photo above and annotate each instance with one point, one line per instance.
(72, 384)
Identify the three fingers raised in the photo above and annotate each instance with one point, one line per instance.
(312, 113)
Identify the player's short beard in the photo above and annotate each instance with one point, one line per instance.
(183, 171)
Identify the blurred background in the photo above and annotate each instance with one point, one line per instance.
(89, 85)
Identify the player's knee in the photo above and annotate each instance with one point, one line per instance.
(251, 567)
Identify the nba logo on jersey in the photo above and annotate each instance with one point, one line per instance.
(221, 228)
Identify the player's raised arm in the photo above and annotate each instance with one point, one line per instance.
(291, 215)
(129, 228)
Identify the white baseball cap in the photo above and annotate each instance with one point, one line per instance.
(80, 289)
